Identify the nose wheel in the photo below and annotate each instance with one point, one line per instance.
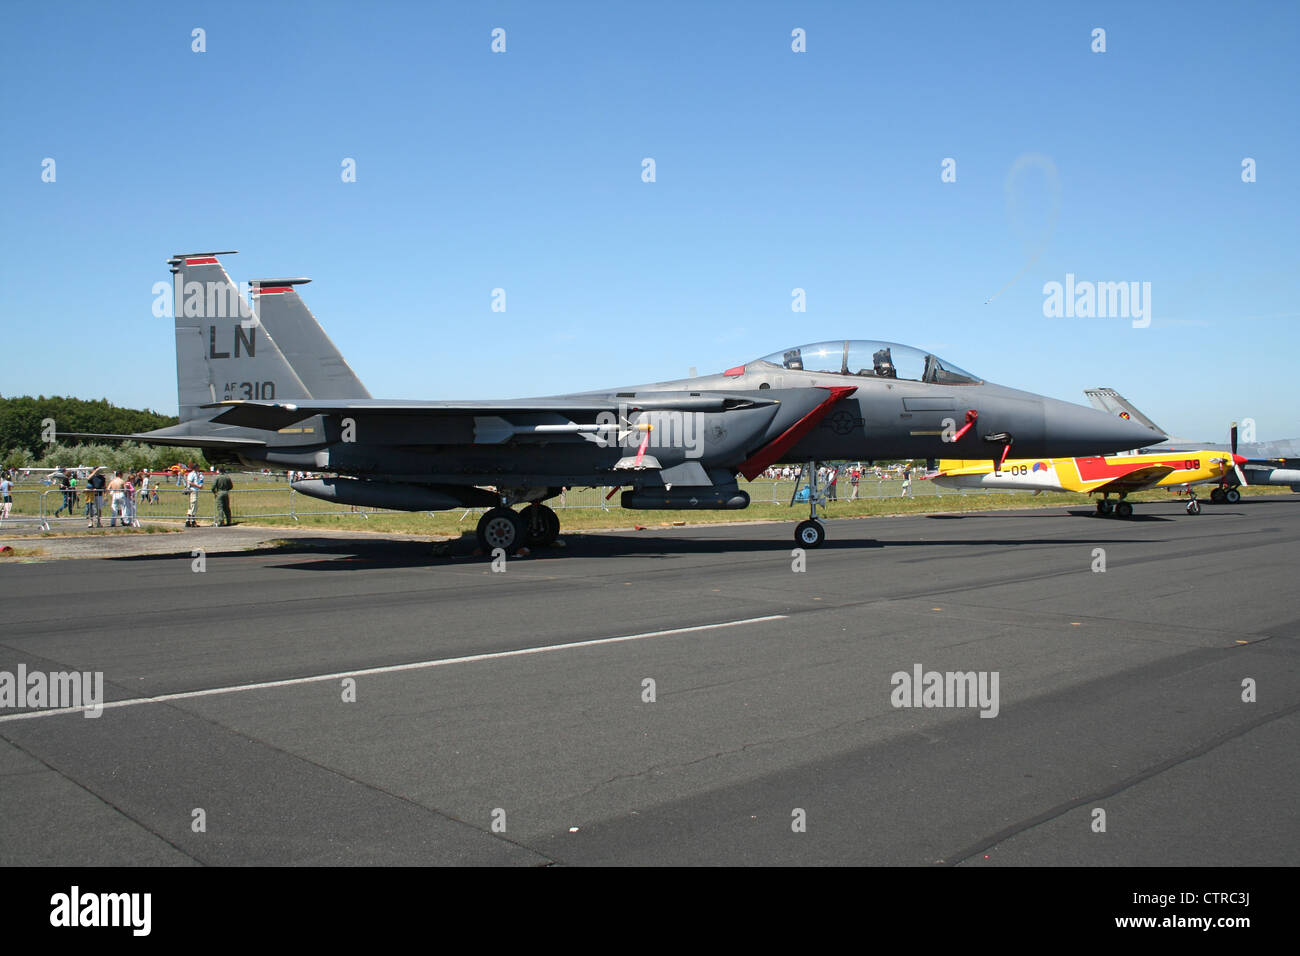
(810, 533)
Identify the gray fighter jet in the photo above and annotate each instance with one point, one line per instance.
(671, 445)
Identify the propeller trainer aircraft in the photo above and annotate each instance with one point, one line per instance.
(1266, 463)
(671, 445)
(1119, 475)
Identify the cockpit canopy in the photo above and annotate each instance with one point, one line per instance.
(870, 359)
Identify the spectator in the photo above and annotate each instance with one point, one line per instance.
(222, 488)
(193, 484)
(117, 494)
(907, 481)
(95, 506)
(60, 480)
(128, 517)
(6, 496)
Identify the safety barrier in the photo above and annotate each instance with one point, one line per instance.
(262, 496)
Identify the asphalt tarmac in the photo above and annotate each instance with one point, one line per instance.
(508, 717)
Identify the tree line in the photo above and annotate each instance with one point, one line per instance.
(25, 432)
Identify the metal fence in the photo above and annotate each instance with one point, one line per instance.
(262, 496)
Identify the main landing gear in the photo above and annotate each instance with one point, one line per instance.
(1225, 495)
(542, 525)
(1120, 509)
(503, 528)
(810, 533)
(536, 526)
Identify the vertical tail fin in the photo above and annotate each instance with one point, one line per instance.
(222, 353)
(310, 352)
(1110, 401)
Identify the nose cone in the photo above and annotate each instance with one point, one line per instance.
(1073, 431)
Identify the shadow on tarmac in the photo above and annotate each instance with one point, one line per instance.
(336, 554)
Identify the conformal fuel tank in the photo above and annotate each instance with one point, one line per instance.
(685, 499)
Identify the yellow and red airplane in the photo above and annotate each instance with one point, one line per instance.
(1119, 475)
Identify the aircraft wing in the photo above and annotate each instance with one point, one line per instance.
(272, 416)
(1143, 476)
(178, 441)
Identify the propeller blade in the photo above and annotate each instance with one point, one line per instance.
(1232, 437)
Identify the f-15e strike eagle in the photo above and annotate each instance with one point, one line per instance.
(260, 383)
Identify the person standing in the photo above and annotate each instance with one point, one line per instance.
(117, 496)
(907, 481)
(96, 484)
(855, 476)
(128, 518)
(6, 496)
(222, 488)
(60, 480)
(193, 483)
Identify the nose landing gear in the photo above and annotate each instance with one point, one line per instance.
(810, 533)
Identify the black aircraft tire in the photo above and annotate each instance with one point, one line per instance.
(550, 526)
(1232, 496)
(1218, 496)
(810, 534)
(1193, 507)
(501, 528)
(1123, 510)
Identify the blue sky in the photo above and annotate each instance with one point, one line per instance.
(775, 170)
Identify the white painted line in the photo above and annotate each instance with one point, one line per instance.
(391, 669)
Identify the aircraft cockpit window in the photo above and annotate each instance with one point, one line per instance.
(869, 360)
(882, 364)
(939, 373)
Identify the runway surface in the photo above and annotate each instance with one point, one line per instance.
(1118, 690)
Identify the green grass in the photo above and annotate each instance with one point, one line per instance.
(266, 503)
